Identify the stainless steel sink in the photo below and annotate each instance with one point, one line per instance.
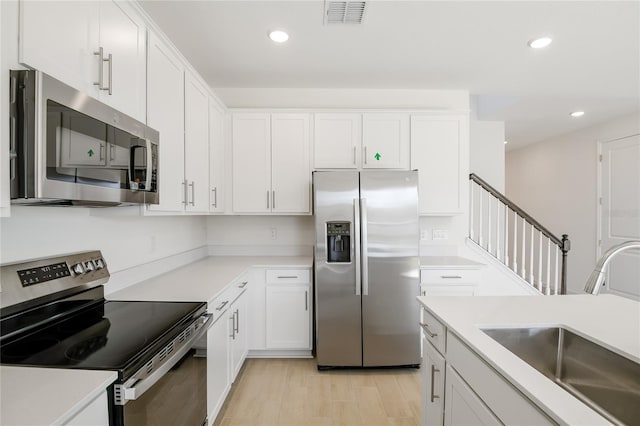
(604, 380)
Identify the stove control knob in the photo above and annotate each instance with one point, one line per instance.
(78, 269)
(89, 266)
(99, 263)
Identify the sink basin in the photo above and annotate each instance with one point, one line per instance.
(604, 380)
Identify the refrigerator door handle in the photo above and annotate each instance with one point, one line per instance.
(356, 244)
(364, 251)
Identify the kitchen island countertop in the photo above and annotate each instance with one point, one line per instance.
(609, 320)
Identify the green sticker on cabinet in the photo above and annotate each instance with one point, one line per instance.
(377, 156)
(90, 152)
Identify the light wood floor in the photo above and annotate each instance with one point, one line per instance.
(272, 392)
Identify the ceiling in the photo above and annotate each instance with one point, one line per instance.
(593, 63)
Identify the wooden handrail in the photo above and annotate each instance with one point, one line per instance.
(514, 207)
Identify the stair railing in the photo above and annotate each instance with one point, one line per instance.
(516, 239)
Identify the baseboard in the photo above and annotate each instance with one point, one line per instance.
(139, 273)
(270, 353)
(259, 250)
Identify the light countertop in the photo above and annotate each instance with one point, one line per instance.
(203, 280)
(609, 320)
(45, 396)
(449, 262)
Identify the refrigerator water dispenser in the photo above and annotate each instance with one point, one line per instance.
(338, 242)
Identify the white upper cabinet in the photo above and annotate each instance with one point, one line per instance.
(271, 172)
(385, 141)
(216, 158)
(166, 114)
(290, 168)
(439, 151)
(196, 145)
(251, 163)
(337, 140)
(98, 48)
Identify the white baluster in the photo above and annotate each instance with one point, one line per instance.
(489, 239)
(472, 209)
(549, 266)
(531, 267)
(480, 234)
(515, 242)
(557, 280)
(523, 272)
(540, 281)
(505, 258)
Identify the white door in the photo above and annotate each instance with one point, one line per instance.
(287, 317)
(216, 158)
(620, 212)
(251, 163)
(290, 168)
(123, 36)
(385, 141)
(196, 145)
(60, 38)
(337, 140)
(166, 115)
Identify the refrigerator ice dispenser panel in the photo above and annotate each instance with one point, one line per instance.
(338, 242)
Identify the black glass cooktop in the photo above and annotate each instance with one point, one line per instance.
(109, 336)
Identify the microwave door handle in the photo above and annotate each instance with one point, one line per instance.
(147, 185)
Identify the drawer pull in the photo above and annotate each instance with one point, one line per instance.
(425, 327)
(244, 284)
(451, 276)
(222, 305)
(287, 276)
(434, 370)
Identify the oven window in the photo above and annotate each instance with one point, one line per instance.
(81, 149)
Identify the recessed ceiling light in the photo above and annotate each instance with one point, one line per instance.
(278, 36)
(539, 43)
(577, 113)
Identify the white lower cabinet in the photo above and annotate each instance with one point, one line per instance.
(238, 331)
(433, 366)
(218, 384)
(462, 405)
(460, 388)
(288, 320)
(96, 413)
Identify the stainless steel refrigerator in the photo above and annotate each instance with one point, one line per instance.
(367, 268)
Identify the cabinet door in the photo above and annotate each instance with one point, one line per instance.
(436, 148)
(337, 141)
(432, 386)
(217, 367)
(288, 317)
(196, 145)
(60, 38)
(462, 405)
(166, 115)
(238, 314)
(385, 141)
(123, 36)
(251, 163)
(290, 168)
(96, 413)
(216, 158)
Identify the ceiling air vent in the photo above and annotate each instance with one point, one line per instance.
(343, 12)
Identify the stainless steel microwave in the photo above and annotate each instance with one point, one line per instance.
(67, 148)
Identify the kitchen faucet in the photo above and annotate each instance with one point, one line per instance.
(597, 277)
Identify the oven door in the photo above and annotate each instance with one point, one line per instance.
(171, 387)
(178, 398)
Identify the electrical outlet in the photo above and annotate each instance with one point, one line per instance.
(440, 234)
(274, 233)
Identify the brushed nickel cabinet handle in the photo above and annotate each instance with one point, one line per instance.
(222, 305)
(434, 370)
(425, 327)
(100, 55)
(110, 88)
(450, 276)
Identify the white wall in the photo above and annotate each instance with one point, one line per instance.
(556, 182)
(125, 241)
(487, 157)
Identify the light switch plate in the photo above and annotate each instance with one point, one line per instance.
(440, 234)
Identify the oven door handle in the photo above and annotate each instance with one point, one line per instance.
(134, 388)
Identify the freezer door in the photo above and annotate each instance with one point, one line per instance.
(337, 299)
(390, 283)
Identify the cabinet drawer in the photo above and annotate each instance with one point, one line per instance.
(434, 331)
(449, 276)
(287, 276)
(220, 304)
(447, 290)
